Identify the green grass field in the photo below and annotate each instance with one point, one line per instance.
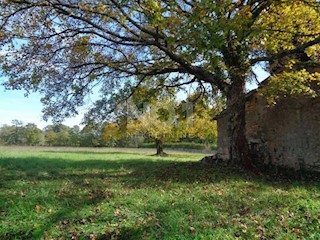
(69, 193)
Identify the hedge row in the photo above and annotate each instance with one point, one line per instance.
(182, 145)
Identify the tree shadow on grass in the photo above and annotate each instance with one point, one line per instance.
(92, 153)
(132, 173)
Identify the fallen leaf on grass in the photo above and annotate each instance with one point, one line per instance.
(118, 213)
(92, 237)
(83, 221)
(37, 208)
(295, 230)
(260, 228)
(86, 182)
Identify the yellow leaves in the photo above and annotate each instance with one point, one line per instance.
(101, 7)
(245, 12)
(158, 120)
(314, 77)
(203, 127)
(153, 5)
(313, 52)
(249, 14)
(2, 34)
(241, 17)
(80, 49)
(231, 7)
(111, 132)
(295, 83)
(39, 208)
(153, 11)
(81, 43)
(288, 24)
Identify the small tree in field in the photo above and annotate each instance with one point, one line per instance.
(158, 122)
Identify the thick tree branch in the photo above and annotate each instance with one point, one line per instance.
(177, 84)
(280, 55)
(199, 72)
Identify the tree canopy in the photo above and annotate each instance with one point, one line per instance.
(64, 48)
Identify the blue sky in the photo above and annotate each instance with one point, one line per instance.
(13, 105)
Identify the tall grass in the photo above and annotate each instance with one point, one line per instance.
(68, 193)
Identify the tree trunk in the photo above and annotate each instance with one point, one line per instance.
(159, 146)
(238, 146)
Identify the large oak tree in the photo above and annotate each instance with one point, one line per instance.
(63, 48)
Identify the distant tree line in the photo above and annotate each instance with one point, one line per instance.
(91, 135)
(29, 134)
(110, 134)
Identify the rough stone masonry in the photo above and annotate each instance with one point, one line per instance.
(286, 134)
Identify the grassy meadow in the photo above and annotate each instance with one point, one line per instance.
(70, 193)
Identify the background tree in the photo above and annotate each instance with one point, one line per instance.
(159, 122)
(71, 47)
(57, 135)
(50, 135)
(7, 135)
(75, 136)
(122, 132)
(33, 134)
(111, 134)
(17, 134)
(198, 119)
(90, 135)
(20, 134)
(204, 128)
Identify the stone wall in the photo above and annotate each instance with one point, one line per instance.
(286, 134)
